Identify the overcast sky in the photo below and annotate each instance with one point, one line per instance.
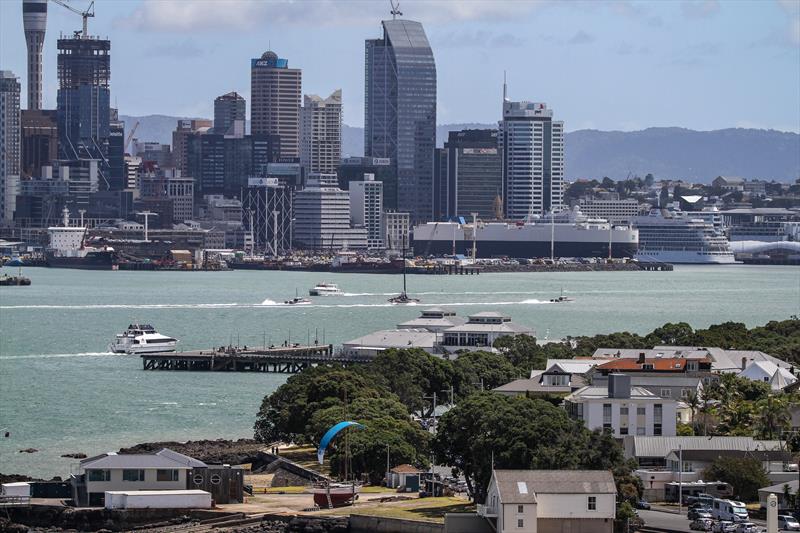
(615, 65)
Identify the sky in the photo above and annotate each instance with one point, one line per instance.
(609, 65)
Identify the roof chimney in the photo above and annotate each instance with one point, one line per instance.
(619, 386)
(744, 363)
(641, 358)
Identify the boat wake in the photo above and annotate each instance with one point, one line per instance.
(53, 355)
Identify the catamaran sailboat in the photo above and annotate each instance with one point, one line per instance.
(142, 338)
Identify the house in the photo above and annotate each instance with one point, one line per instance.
(721, 360)
(165, 470)
(728, 183)
(544, 501)
(780, 490)
(481, 331)
(622, 409)
(659, 458)
(404, 475)
(668, 377)
(543, 383)
(778, 377)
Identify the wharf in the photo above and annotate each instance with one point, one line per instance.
(289, 359)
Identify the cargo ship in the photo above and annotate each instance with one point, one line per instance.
(568, 234)
(67, 249)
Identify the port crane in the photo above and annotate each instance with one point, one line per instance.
(85, 14)
(130, 136)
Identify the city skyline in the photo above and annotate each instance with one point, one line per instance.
(666, 61)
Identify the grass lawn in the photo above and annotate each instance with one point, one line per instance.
(425, 509)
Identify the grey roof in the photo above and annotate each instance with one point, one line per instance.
(521, 486)
(395, 338)
(573, 366)
(165, 458)
(665, 380)
(602, 392)
(425, 323)
(505, 327)
(640, 446)
(533, 384)
(778, 489)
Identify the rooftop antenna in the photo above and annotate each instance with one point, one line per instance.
(505, 87)
(395, 9)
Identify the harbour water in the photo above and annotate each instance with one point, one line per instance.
(62, 392)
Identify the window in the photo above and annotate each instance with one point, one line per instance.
(166, 475)
(520, 509)
(623, 431)
(657, 430)
(666, 393)
(592, 503)
(640, 431)
(215, 479)
(197, 479)
(99, 475)
(623, 411)
(520, 523)
(606, 415)
(640, 411)
(132, 475)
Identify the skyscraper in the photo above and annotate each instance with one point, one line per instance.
(321, 133)
(84, 96)
(469, 178)
(34, 20)
(400, 111)
(532, 147)
(366, 208)
(275, 91)
(9, 143)
(39, 140)
(228, 109)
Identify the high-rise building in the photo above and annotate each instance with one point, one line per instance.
(275, 91)
(229, 110)
(396, 229)
(84, 97)
(400, 111)
(39, 140)
(366, 208)
(354, 168)
(321, 133)
(267, 214)
(116, 153)
(322, 216)
(34, 20)
(469, 175)
(532, 148)
(183, 130)
(9, 144)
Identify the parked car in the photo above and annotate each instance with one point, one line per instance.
(747, 527)
(788, 523)
(643, 504)
(723, 526)
(699, 512)
(701, 524)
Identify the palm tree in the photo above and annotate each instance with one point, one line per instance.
(737, 417)
(693, 401)
(772, 415)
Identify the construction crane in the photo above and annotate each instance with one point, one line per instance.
(130, 136)
(88, 12)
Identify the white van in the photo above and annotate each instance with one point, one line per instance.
(729, 510)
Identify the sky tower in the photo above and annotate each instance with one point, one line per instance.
(34, 19)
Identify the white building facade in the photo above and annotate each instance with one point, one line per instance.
(321, 133)
(322, 216)
(532, 147)
(396, 228)
(366, 208)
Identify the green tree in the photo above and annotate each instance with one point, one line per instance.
(411, 374)
(387, 424)
(772, 416)
(680, 334)
(746, 475)
(284, 413)
(473, 368)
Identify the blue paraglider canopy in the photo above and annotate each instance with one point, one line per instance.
(328, 437)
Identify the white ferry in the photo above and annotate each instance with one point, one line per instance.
(142, 338)
(325, 289)
(680, 238)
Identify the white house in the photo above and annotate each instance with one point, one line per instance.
(778, 377)
(622, 409)
(165, 470)
(541, 501)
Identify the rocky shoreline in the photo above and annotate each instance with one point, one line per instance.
(220, 451)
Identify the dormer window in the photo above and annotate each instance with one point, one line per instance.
(647, 366)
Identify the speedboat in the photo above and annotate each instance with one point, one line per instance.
(561, 298)
(142, 338)
(297, 300)
(325, 289)
(330, 494)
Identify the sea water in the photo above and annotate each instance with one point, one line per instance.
(62, 392)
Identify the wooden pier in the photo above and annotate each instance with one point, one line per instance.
(288, 359)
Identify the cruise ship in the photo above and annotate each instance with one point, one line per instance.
(680, 238)
(569, 234)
